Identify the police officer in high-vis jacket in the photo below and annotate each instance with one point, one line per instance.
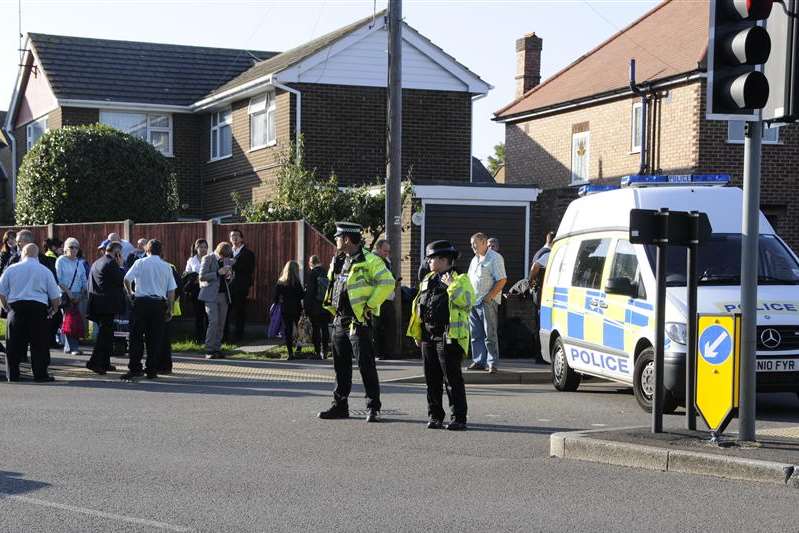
(440, 326)
(359, 283)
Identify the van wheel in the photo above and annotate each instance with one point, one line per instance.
(563, 377)
(644, 383)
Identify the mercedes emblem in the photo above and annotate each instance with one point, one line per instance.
(771, 338)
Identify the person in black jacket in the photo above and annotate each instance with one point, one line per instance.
(106, 299)
(9, 249)
(289, 293)
(243, 273)
(315, 288)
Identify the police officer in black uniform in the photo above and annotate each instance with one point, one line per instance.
(441, 331)
(354, 288)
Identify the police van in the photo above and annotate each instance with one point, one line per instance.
(598, 296)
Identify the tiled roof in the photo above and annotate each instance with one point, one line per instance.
(295, 55)
(125, 71)
(668, 41)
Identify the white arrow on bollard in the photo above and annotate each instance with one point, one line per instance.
(711, 347)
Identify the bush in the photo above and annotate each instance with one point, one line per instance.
(94, 173)
(301, 194)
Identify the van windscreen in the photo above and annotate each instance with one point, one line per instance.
(720, 262)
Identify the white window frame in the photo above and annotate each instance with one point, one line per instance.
(767, 132)
(29, 132)
(220, 119)
(575, 179)
(149, 129)
(263, 107)
(635, 143)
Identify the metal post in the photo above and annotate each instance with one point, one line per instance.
(394, 166)
(690, 355)
(660, 330)
(749, 253)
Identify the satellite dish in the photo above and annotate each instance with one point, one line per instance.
(417, 218)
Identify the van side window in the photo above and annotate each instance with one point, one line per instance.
(625, 265)
(555, 265)
(589, 263)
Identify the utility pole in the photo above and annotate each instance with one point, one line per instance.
(394, 165)
(749, 254)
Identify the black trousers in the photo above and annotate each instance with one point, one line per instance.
(149, 318)
(442, 365)
(290, 332)
(320, 331)
(237, 315)
(384, 329)
(200, 320)
(345, 345)
(28, 325)
(165, 353)
(104, 346)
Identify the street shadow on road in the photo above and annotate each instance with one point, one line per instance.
(286, 389)
(489, 428)
(12, 483)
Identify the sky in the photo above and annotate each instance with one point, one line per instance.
(480, 34)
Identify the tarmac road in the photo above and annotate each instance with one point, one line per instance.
(214, 454)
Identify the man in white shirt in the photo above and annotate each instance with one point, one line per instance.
(153, 297)
(487, 274)
(31, 295)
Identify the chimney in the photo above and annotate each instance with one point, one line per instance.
(528, 63)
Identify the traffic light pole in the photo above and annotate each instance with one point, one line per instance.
(690, 355)
(394, 166)
(749, 255)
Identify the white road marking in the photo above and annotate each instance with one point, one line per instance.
(92, 512)
(545, 420)
(599, 425)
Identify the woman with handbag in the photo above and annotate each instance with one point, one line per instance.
(191, 288)
(72, 280)
(289, 294)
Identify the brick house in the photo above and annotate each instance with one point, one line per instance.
(5, 159)
(584, 124)
(222, 116)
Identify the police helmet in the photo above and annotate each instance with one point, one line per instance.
(347, 228)
(441, 248)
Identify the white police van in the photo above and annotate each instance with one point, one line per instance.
(598, 296)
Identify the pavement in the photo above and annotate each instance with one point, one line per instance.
(774, 458)
(512, 371)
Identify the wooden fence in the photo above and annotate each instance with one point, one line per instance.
(273, 243)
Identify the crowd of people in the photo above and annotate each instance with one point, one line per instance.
(49, 293)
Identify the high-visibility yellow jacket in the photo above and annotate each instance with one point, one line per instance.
(369, 283)
(461, 298)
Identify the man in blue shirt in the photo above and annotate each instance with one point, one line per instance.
(487, 274)
(153, 299)
(30, 294)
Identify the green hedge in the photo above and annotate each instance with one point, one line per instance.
(94, 173)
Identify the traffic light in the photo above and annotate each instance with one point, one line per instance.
(782, 67)
(738, 47)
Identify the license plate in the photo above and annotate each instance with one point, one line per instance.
(778, 365)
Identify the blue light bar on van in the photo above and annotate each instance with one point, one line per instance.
(684, 179)
(585, 190)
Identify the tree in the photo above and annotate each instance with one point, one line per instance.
(301, 194)
(498, 159)
(91, 173)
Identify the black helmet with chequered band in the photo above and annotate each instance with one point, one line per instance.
(441, 249)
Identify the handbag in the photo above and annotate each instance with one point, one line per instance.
(66, 302)
(72, 325)
(275, 328)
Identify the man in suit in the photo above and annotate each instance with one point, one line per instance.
(243, 274)
(216, 273)
(384, 323)
(106, 299)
